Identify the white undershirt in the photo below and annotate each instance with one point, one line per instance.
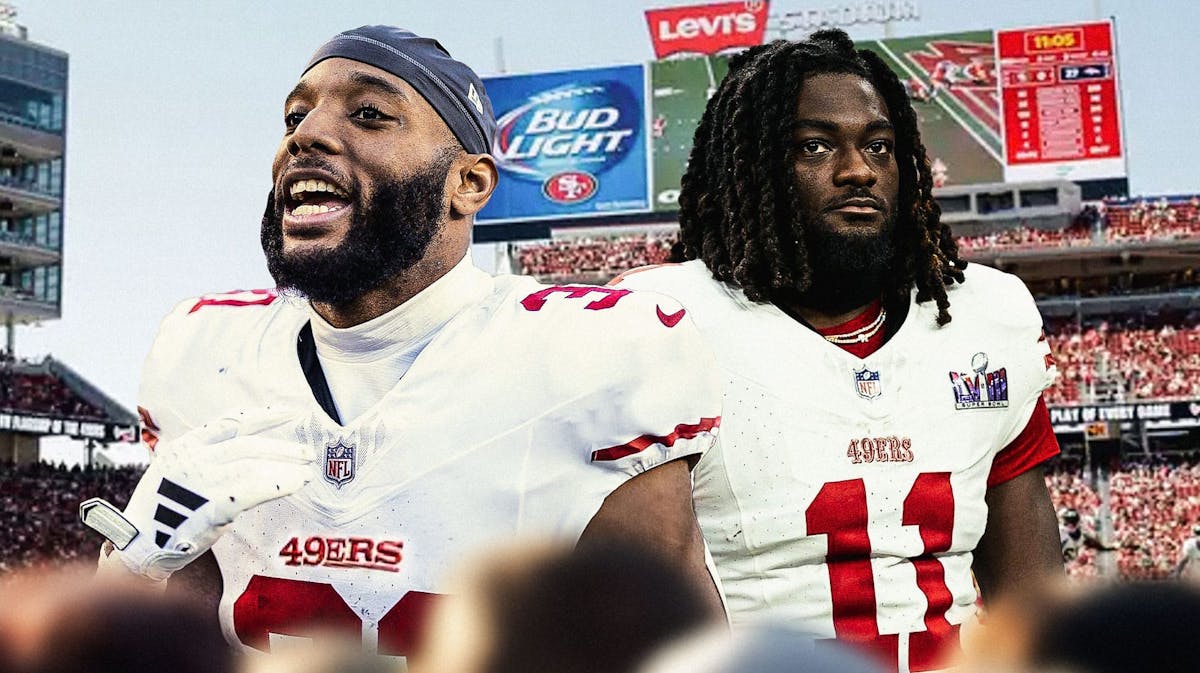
(362, 363)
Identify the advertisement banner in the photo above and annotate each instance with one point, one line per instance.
(707, 29)
(1078, 418)
(48, 425)
(570, 144)
(1061, 110)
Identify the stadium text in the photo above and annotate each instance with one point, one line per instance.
(880, 450)
(548, 120)
(1187, 413)
(45, 425)
(344, 552)
(845, 14)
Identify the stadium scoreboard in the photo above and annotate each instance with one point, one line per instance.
(1060, 108)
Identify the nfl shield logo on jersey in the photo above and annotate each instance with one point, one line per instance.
(866, 384)
(339, 464)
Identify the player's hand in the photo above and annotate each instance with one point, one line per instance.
(196, 486)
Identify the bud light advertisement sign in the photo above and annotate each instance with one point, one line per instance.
(570, 144)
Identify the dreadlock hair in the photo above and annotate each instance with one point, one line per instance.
(738, 194)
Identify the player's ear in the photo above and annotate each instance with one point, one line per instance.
(477, 176)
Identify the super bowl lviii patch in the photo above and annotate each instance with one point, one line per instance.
(980, 389)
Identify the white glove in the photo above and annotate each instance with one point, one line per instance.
(198, 484)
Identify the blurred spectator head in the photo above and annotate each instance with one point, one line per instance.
(69, 623)
(332, 655)
(763, 649)
(1139, 626)
(552, 609)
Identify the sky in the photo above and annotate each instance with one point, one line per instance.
(175, 111)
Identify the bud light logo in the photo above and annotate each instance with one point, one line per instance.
(570, 144)
(570, 187)
(577, 125)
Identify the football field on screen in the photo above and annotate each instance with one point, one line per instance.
(960, 123)
(679, 90)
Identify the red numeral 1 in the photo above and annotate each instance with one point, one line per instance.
(840, 512)
(930, 507)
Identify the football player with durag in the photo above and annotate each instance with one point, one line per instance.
(342, 442)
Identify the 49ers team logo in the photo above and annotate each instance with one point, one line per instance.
(570, 187)
(339, 464)
(344, 552)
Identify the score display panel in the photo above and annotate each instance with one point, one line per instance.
(1060, 102)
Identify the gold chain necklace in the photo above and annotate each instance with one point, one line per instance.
(862, 334)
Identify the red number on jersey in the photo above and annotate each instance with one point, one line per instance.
(537, 300)
(291, 608)
(930, 507)
(298, 608)
(840, 512)
(237, 298)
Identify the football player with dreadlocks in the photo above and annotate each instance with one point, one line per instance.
(874, 452)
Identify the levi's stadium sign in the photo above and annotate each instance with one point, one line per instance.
(707, 29)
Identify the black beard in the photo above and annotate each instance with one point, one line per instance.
(388, 234)
(847, 270)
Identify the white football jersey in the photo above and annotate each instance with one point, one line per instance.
(1191, 558)
(845, 495)
(1071, 538)
(525, 411)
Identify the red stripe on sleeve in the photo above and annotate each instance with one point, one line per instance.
(1035, 445)
(149, 429)
(682, 431)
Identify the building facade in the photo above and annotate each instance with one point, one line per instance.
(33, 125)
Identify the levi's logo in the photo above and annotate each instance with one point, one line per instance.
(344, 552)
(707, 29)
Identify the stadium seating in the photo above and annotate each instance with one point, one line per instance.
(1157, 220)
(1024, 238)
(593, 258)
(33, 388)
(39, 512)
(599, 258)
(1155, 503)
(1111, 362)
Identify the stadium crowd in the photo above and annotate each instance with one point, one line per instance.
(1130, 360)
(1106, 222)
(39, 511)
(564, 259)
(31, 388)
(1154, 503)
(1157, 220)
(1026, 238)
